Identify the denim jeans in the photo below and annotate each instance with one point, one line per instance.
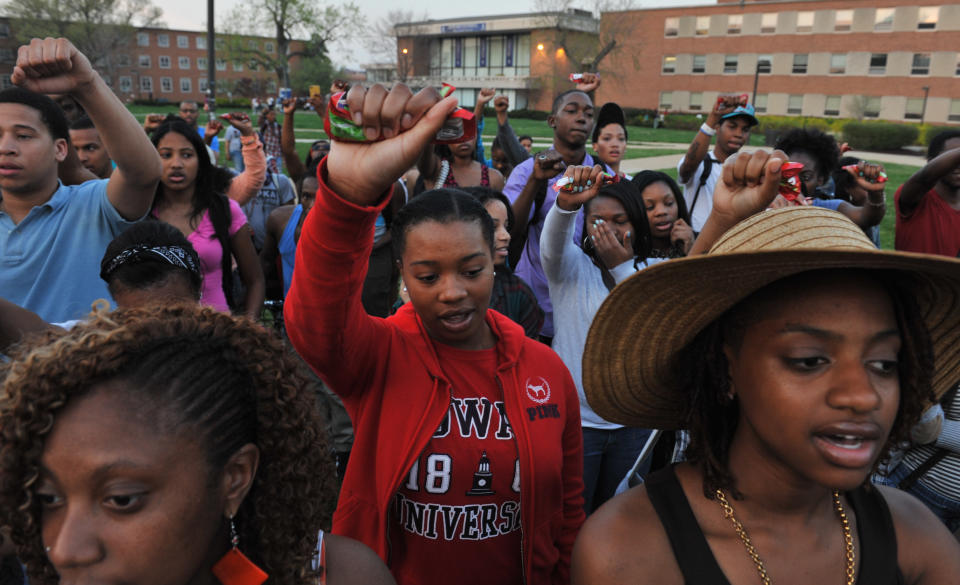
(237, 157)
(947, 509)
(607, 457)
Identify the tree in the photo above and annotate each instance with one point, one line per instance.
(286, 21)
(587, 51)
(312, 71)
(383, 40)
(100, 29)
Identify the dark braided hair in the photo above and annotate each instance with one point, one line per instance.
(704, 375)
(225, 380)
(209, 194)
(442, 206)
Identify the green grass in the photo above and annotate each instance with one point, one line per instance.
(896, 175)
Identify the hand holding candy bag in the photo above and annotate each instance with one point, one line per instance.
(460, 126)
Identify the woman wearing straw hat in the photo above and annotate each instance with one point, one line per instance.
(796, 354)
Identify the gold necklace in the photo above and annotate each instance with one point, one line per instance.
(755, 557)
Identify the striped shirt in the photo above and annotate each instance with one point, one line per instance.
(944, 476)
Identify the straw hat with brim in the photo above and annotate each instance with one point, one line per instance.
(634, 344)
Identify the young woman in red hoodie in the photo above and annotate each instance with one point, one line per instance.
(467, 459)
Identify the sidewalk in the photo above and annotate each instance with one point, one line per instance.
(670, 161)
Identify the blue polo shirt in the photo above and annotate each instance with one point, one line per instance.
(50, 261)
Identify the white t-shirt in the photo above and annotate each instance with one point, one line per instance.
(699, 216)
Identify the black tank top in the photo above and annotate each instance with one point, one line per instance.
(877, 550)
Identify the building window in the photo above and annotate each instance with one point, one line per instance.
(883, 19)
(844, 21)
(143, 39)
(203, 84)
(669, 64)
(237, 66)
(671, 26)
(957, 72)
(871, 107)
(764, 63)
(268, 47)
(221, 64)
(700, 64)
(164, 61)
(201, 63)
(832, 106)
(696, 101)
(914, 109)
(252, 45)
(805, 21)
(730, 64)
(252, 65)
(166, 84)
(954, 111)
(878, 63)
(219, 43)
(703, 26)
(768, 23)
(146, 83)
(927, 17)
(7, 55)
(838, 64)
(183, 62)
(795, 104)
(201, 42)
(4, 30)
(163, 40)
(800, 63)
(760, 103)
(666, 100)
(921, 64)
(144, 61)
(186, 85)
(183, 41)
(126, 83)
(123, 60)
(734, 24)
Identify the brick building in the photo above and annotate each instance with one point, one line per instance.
(888, 59)
(519, 55)
(168, 64)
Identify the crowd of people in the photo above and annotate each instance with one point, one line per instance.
(471, 353)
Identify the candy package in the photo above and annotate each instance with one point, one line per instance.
(565, 184)
(790, 183)
(741, 100)
(578, 77)
(460, 125)
(856, 171)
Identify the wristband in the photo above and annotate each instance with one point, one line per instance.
(248, 140)
(707, 130)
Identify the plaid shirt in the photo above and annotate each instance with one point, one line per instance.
(512, 297)
(270, 137)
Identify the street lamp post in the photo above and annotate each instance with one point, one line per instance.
(923, 110)
(211, 65)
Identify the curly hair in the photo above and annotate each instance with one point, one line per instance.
(819, 145)
(711, 416)
(225, 379)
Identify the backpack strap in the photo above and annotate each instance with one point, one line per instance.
(704, 176)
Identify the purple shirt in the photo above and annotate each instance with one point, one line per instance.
(529, 268)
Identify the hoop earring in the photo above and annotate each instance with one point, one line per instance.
(234, 568)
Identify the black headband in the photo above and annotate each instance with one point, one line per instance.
(174, 255)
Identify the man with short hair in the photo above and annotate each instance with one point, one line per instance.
(698, 171)
(190, 112)
(529, 187)
(52, 236)
(90, 150)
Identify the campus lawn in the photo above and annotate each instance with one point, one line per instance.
(896, 175)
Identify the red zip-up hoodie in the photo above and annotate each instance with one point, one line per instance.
(387, 373)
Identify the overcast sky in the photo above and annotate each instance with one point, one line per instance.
(191, 14)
